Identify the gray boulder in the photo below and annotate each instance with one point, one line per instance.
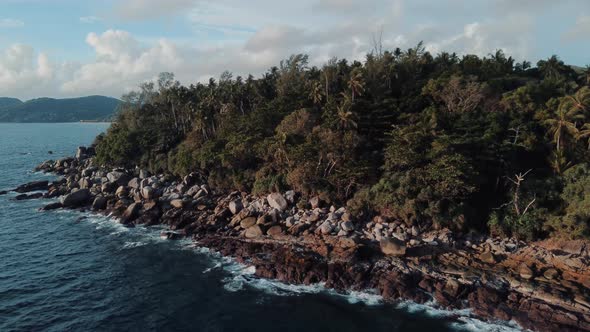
(76, 198)
(235, 206)
(277, 201)
(100, 203)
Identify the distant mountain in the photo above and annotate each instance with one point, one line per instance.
(4, 102)
(92, 108)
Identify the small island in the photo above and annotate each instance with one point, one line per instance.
(455, 179)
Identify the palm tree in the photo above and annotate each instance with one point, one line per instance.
(585, 133)
(346, 119)
(316, 94)
(564, 123)
(579, 100)
(356, 83)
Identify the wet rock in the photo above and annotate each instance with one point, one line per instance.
(52, 206)
(392, 247)
(4, 192)
(131, 213)
(32, 186)
(76, 198)
(99, 203)
(277, 201)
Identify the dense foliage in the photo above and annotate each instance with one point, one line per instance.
(470, 143)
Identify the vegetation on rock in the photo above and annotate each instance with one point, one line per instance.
(469, 143)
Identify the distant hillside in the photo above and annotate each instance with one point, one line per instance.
(4, 102)
(92, 108)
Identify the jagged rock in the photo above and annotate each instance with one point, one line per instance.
(81, 152)
(32, 186)
(235, 206)
(76, 198)
(253, 232)
(248, 222)
(277, 201)
(392, 247)
(100, 203)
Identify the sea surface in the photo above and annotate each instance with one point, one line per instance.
(73, 271)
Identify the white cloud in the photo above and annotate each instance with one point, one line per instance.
(580, 30)
(23, 71)
(11, 23)
(90, 19)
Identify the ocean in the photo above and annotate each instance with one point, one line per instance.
(74, 271)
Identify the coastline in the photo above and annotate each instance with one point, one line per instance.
(542, 286)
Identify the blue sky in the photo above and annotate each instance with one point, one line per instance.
(66, 48)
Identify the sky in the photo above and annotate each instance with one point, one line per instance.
(71, 48)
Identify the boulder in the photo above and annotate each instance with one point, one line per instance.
(85, 183)
(315, 202)
(551, 274)
(488, 257)
(133, 183)
(131, 213)
(148, 193)
(76, 198)
(248, 222)
(290, 196)
(32, 186)
(526, 272)
(118, 177)
(253, 232)
(121, 191)
(277, 201)
(3, 192)
(99, 203)
(392, 247)
(235, 206)
(52, 206)
(275, 231)
(25, 196)
(326, 227)
(81, 152)
(347, 226)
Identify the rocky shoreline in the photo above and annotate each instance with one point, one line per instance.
(543, 286)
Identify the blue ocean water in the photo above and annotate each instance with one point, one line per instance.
(69, 271)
